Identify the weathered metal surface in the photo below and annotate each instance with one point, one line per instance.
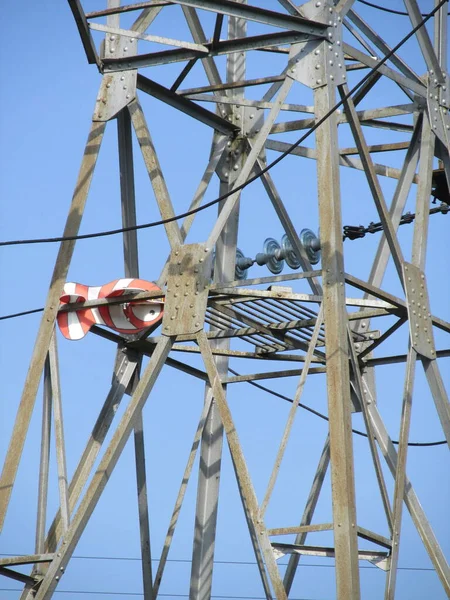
(420, 323)
(188, 277)
(278, 323)
(48, 319)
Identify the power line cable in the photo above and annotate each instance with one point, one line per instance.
(21, 314)
(114, 593)
(282, 156)
(389, 10)
(272, 392)
(227, 562)
(350, 232)
(325, 418)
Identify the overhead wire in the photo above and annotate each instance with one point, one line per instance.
(325, 418)
(350, 232)
(391, 11)
(165, 595)
(240, 187)
(228, 562)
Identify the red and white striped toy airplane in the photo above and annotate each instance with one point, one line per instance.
(129, 317)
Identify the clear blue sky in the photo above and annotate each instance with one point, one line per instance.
(47, 99)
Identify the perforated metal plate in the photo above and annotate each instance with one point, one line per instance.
(187, 289)
(420, 324)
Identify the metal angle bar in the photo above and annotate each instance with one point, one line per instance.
(206, 51)
(362, 92)
(250, 162)
(381, 45)
(344, 161)
(131, 266)
(440, 36)
(148, 38)
(308, 513)
(59, 435)
(252, 103)
(85, 34)
(260, 15)
(147, 347)
(372, 180)
(26, 560)
(216, 154)
(44, 459)
(359, 389)
(363, 115)
(271, 375)
(207, 501)
(186, 106)
(388, 125)
(326, 552)
(420, 239)
(425, 43)
(255, 521)
(420, 236)
(290, 7)
(359, 38)
(155, 174)
(144, 520)
(147, 16)
(439, 394)
(300, 529)
(105, 468)
(371, 62)
(124, 373)
(399, 358)
(343, 6)
(217, 30)
(338, 374)
(182, 76)
(127, 297)
(29, 581)
(383, 337)
(237, 295)
(243, 354)
(373, 537)
(48, 318)
(128, 8)
(271, 279)
(377, 148)
(181, 493)
(291, 415)
(411, 500)
(208, 63)
(400, 473)
(233, 85)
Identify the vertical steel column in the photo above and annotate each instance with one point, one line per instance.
(212, 437)
(59, 434)
(44, 461)
(131, 261)
(337, 355)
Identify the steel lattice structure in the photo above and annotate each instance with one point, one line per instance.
(328, 328)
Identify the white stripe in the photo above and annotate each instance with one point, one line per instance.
(93, 292)
(119, 319)
(122, 284)
(144, 311)
(97, 316)
(75, 330)
(69, 288)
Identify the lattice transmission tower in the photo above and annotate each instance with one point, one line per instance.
(351, 314)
